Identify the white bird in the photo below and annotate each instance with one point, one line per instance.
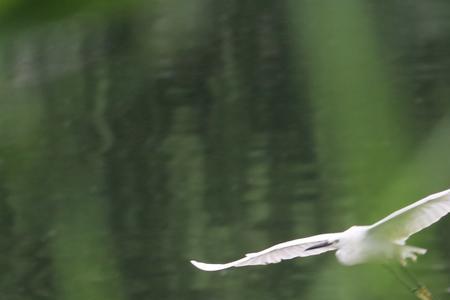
(382, 241)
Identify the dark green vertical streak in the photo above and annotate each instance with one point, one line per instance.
(290, 166)
(228, 128)
(256, 203)
(260, 57)
(184, 163)
(227, 145)
(128, 127)
(28, 271)
(24, 237)
(82, 251)
(7, 279)
(135, 181)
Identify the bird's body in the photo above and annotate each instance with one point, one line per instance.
(383, 241)
(358, 246)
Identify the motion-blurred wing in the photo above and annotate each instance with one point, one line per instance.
(400, 225)
(297, 248)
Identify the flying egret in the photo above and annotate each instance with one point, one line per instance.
(383, 241)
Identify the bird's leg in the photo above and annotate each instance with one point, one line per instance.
(420, 290)
(404, 282)
(408, 280)
(410, 275)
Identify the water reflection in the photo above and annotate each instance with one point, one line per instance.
(136, 137)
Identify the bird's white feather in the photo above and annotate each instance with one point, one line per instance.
(403, 223)
(279, 252)
(382, 240)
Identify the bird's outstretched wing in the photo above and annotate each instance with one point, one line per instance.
(403, 223)
(297, 248)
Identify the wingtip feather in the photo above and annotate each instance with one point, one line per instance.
(208, 267)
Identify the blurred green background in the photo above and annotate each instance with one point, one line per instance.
(137, 135)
